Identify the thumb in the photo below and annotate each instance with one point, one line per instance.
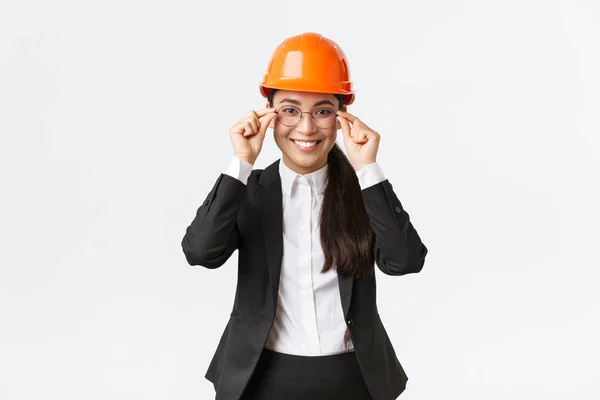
(264, 123)
(345, 127)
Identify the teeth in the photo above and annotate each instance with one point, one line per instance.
(305, 144)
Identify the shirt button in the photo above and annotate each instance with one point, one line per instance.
(398, 209)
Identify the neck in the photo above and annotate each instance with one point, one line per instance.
(299, 169)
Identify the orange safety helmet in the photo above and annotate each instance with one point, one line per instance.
(309, 62)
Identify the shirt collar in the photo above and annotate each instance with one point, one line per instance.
(316, 179)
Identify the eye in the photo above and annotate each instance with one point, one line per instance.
(289, 111)
(324, 112)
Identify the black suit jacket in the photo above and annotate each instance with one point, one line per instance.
(249, 218)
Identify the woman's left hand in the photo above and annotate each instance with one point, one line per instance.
(361, 142)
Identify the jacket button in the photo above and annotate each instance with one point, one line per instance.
(206, 202)
(398, 209)
(350, 323)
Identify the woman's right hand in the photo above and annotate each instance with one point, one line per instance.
(247, 135)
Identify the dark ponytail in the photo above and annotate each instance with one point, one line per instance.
(346, 235)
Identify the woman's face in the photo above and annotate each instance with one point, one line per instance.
(304, 146)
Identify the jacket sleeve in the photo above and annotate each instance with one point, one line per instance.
(398, 247)
(213, 235)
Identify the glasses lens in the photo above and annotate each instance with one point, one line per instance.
(289, 116)
(324, 118)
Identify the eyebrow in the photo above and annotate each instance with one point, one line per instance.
(318, 103)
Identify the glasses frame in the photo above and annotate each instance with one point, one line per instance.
(312, 116)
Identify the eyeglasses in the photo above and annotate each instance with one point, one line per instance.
(291, 116)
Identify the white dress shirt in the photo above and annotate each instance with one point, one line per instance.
(309, 320)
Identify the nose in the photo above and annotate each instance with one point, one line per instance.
(306, 125)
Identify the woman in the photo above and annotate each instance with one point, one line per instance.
(309, 229)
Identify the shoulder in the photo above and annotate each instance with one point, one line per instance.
(254, 177)
(262, 176)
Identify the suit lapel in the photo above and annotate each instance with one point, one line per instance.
(269, 199)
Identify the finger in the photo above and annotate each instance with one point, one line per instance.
(248, 129)
(348, 116)
(370, 133)
(254, 122)
(345, 126)
(264, 111)
(239, 127)
(264, 124)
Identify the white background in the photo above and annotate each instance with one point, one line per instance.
(114, 118)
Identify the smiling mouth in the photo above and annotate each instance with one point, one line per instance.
(306, 144)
